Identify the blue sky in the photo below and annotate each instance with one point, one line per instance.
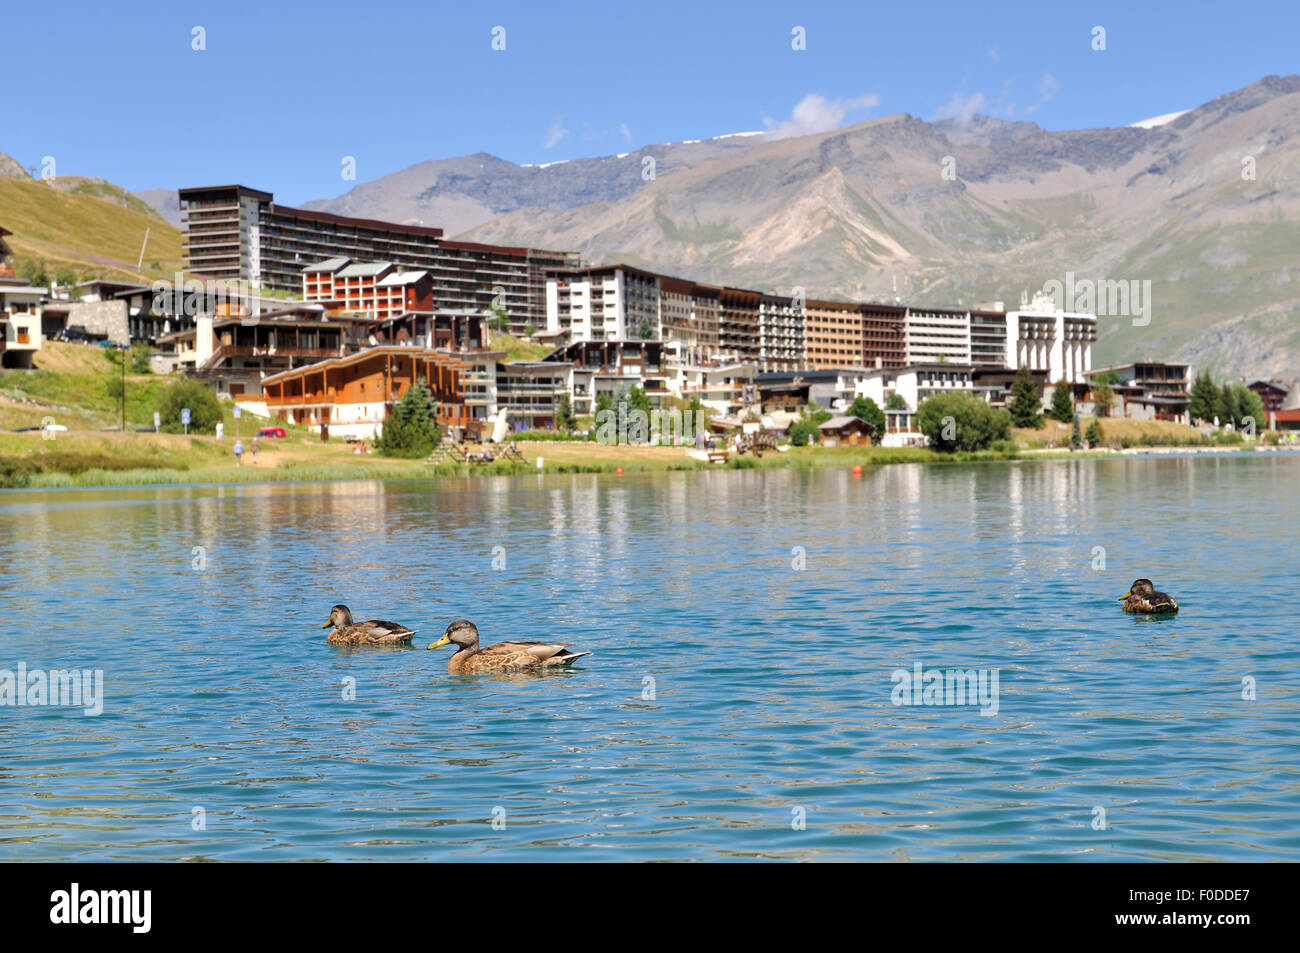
(282, 93)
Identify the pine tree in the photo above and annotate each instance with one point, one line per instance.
(1203, 400)
(1025, 403)
(1062, 404)
(1226, 406)
(1076, 440)
(1094, 435)
(410, 431)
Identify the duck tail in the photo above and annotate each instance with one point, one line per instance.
(565, 657)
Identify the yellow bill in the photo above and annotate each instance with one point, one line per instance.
(442, 641)
(1126, 595)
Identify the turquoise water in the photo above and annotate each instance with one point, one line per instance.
(768, 729)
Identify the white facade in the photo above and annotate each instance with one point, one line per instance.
(934, 335)
(20, 323)
(913, 384)
(718, 387)
(1045, 338)
(614, 304)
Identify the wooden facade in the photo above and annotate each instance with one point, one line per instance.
(363, 388)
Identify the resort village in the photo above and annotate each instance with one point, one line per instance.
(315, 319)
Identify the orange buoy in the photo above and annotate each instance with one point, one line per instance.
(619, 471)
(857, 470)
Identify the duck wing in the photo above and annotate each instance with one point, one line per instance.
(528, 651)
(377, 630)
(1163, 602)
(1158, 604)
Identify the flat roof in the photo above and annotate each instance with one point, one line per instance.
(242, 189)
(370, 223)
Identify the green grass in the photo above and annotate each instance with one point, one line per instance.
(518, 349)
(87, 228)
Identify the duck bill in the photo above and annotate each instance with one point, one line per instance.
(442, 641)
(1126, 595)
(328, 624)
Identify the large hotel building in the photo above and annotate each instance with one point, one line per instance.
(234, 232)
(392, 272)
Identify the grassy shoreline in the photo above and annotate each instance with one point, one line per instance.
(84, 460)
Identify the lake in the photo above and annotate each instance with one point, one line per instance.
(750, 632)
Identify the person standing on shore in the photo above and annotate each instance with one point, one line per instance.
(254, 451)
(239, 453)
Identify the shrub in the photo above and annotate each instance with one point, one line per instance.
(866, 409)
(205, 409)
(962, 422)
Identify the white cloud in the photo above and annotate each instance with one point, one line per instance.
(554, 134)
(1047, 88)
(993, 55)
(816, 113)
(625, 132)
(961, 108)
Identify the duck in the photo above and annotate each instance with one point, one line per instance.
(371, 632)
(1142, 599)
(469, 659)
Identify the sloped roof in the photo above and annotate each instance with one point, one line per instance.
(839, 422)
(330, 265)
(362, 268)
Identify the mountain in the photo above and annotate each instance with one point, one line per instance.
(163, 201)
(88, 225)
(459, 194)
(10, 168)
(855, 212)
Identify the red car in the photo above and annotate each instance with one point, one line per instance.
(276, 432)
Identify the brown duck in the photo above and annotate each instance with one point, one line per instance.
(469, 659)
(371, 632)
(1142, 599)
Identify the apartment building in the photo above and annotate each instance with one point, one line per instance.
(608, 368)
(689, 317)
(234, 232)
(235, 355)
(353, 395)
(1042, 337)
(739, 325)
(780, 332)
(474, 276)
(1151, 390)
(609, 303)
(833, 334)
(937, 334)
(20, 321)
(378, 289)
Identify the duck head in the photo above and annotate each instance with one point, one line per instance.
(463, 632)
(339, 615)
(1140, 587)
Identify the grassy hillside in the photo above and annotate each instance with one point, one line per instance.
(83, 224)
